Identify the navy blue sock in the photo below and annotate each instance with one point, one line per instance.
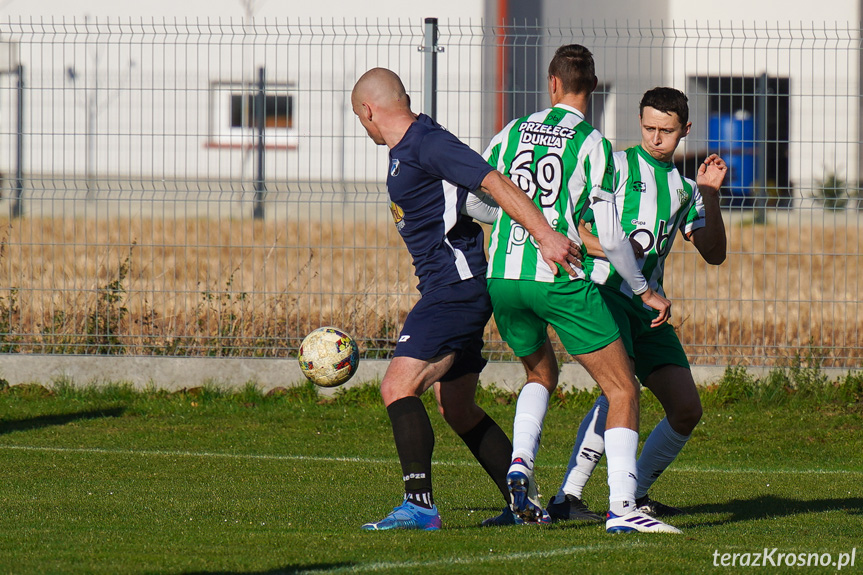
(493, 449)
(414, 439)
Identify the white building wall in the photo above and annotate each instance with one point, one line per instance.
(202, 9)
(815, 45)
(148, 129)
(146, 92)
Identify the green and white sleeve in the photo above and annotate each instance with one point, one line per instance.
(612, 238)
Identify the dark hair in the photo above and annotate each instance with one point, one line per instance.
(666, 100)
(573, 65)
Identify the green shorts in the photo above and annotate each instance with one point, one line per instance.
(652, 347)
(523, 310)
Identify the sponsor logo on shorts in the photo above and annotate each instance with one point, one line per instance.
(404, 338)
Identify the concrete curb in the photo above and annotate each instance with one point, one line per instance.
(171, 373)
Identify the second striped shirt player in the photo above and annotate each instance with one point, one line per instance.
(565, 167)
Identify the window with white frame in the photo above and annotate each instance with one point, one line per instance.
(234, 115)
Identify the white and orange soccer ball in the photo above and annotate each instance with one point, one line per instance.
(329, 357)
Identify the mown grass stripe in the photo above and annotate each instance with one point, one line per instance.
(365, 460)
(474, 560)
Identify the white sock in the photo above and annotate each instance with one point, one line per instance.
(587, 451)
(621, 445)
(529, 415)
(661, 448)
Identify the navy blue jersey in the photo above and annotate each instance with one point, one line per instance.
(430, 174)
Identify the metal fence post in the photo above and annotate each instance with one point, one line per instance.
(761, 185)
(16, 210)
(260, 123)
(430, 74)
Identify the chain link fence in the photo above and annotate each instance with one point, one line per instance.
(202, 188)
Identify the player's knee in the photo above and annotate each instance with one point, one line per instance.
(454, 414)
(392, 391)
(461, 417)
(691, 420)
(453, 417)
(621, 391)
(622, 401)
(686, 418)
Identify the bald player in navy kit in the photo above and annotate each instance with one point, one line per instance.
(431, 174)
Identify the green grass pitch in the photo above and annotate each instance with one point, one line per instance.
(117, 481)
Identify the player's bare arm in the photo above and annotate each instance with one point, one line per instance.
(590, 243)
(710, 241)
(554, 246)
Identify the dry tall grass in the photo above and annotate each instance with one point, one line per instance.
(203, 287)
(784, 290)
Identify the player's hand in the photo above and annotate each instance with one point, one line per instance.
(711, 174)
(660, 304)
(556, 248)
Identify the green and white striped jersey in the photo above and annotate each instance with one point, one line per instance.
(653, 201)
(559, 160)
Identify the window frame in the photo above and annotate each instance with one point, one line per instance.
(223, 134)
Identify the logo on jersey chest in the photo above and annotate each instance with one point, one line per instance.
(398, 215)
(683, 196)
(639, 187)
(394, 167)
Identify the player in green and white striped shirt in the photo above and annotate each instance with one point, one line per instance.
(655, 203)
(557, 159)
(564, 165)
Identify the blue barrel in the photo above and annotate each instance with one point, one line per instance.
(732, 136)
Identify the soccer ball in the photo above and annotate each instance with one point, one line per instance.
(329, 357)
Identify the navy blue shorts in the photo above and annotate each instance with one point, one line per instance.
(450, 318)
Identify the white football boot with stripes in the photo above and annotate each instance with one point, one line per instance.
(636, 521)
